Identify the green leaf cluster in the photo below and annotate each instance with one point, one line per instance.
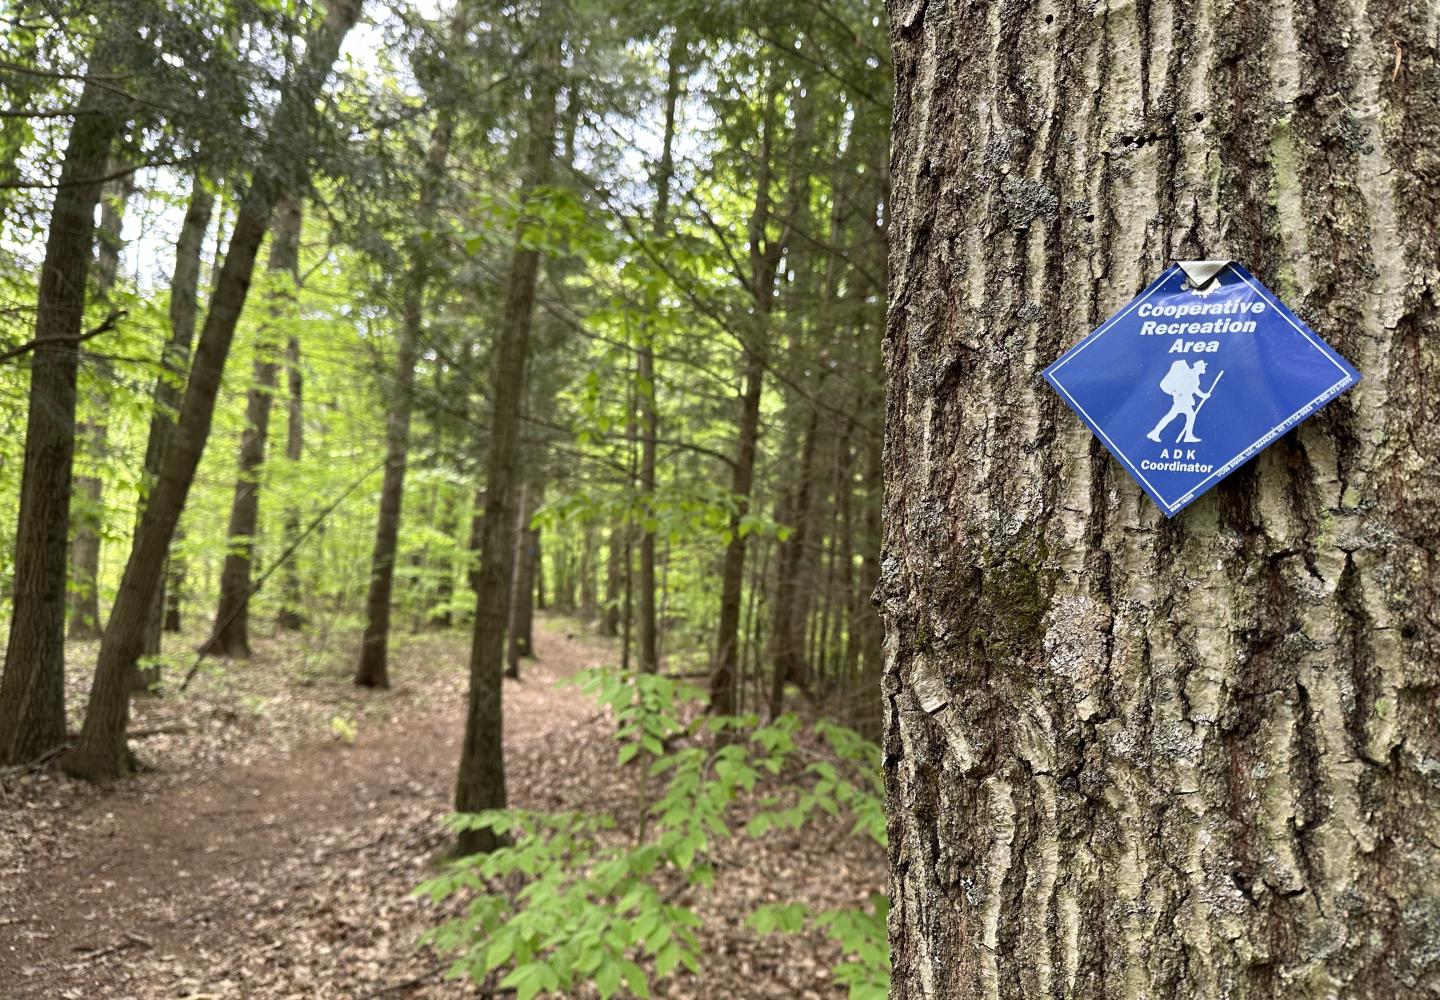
(597, 905)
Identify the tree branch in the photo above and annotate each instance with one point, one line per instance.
(109, 324)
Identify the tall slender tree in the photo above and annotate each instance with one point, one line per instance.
(32, 690)
(101, 753)
(231, 635)
(174, 365)
(373, 668)
(291, 615)
(766, 251)
(480, 783)
(92, 433)
(649, 414)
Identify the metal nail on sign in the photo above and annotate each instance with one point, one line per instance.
(1197, 375)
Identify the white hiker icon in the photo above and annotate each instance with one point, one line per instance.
(1182, 383)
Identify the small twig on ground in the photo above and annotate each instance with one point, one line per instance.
(36, 764)
(127, 940)
(405, 984)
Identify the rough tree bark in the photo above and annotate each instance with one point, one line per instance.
(373, 669)
(32, 690)
(231, 635)
(1126, 756)
(169, 389)
(101, 753)
(480, 784)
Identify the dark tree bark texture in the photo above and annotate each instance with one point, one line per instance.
(1131, 757)
(480, 784)
(32, 690)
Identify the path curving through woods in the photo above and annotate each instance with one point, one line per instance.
(287, 875)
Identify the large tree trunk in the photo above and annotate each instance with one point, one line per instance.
(1126, 756)
(373, 668)
(231, 635)
(101, 753)
(32, 691)
(480, 784)
(167, 394)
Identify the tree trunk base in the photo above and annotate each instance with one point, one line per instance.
(373, 676)
(227, 646)
(100, 765)
(147, 681)
(472, 842)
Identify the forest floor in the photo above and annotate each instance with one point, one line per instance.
(270, 848)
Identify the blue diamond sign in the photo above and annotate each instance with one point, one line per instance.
(1197, 375)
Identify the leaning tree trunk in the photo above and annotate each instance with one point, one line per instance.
(101, 753)
(32, 691)
(480, 784)
(1126, 756)
(231, 636)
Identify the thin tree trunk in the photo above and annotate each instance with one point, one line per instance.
(480, 784)
(1131, 756)
(787, 629)
(101, 753)
(172, 589)
(32, 690)
(522, 602)
(764, 262)
(231, 636)
(614, 581)
(292, 614)
(649, 417)
(174, 363)
(87, 521)
(587, 575)
(373, 669)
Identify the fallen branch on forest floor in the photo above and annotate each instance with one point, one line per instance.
(45, 758)
(425, 977)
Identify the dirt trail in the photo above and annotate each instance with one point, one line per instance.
(154, 890)
(288, 876)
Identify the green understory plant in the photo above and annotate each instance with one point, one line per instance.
(575, 899)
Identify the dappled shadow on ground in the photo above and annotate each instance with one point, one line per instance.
(271, 849)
